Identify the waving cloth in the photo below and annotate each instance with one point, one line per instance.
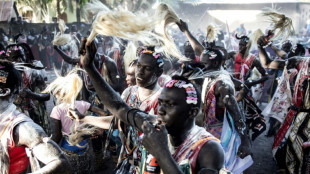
(281, 100)
(283, 132)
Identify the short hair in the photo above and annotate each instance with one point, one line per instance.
(11, 77)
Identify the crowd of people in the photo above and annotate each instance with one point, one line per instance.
(149, 112)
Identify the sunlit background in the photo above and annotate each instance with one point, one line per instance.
(198, 12)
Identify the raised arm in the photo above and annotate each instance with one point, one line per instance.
(198, 48)
(107, 94)
(67, 58)
(265, 59)
(97, 110)
(46, 151)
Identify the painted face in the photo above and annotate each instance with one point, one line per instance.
(146, 71)
(130, 78)
(172, 108)
(242, 47)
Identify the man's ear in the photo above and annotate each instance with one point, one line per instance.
(216, 63)
(193, 112)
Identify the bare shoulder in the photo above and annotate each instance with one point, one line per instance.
(225, 85)
(211, 149)
(28, 134)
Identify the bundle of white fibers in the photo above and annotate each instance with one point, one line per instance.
(282, 25)
(130, 54)
(60, 38)
(67, 87)
(94, 8)
(165, 16)
(126, 25)
(253, 39)
(62, 26)
(137, 27)
(79, 132)
(212, 32)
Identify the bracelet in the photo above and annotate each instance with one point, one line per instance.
(133, 117)
(127, 115)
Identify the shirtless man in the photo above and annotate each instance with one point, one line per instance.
(178, 106)
(19, 131)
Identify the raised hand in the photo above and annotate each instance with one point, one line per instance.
(90, 51)
(182, 26)
(263, 41)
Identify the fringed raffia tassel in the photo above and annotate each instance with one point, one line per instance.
(4, 159)
(138, 27)
(165, 16)
(282, 25)
(125, 24)
(212, 31)
(93, 8)
(253, 39)
(130, 54)
(61, 38)
(79, 132)
(62, 26)
(67, 87)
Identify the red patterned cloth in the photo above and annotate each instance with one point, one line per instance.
(209, 111)
(242, 66)
(192, 145)
(303, 73)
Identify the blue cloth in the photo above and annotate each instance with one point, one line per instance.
(78, 150)
(230, 142)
